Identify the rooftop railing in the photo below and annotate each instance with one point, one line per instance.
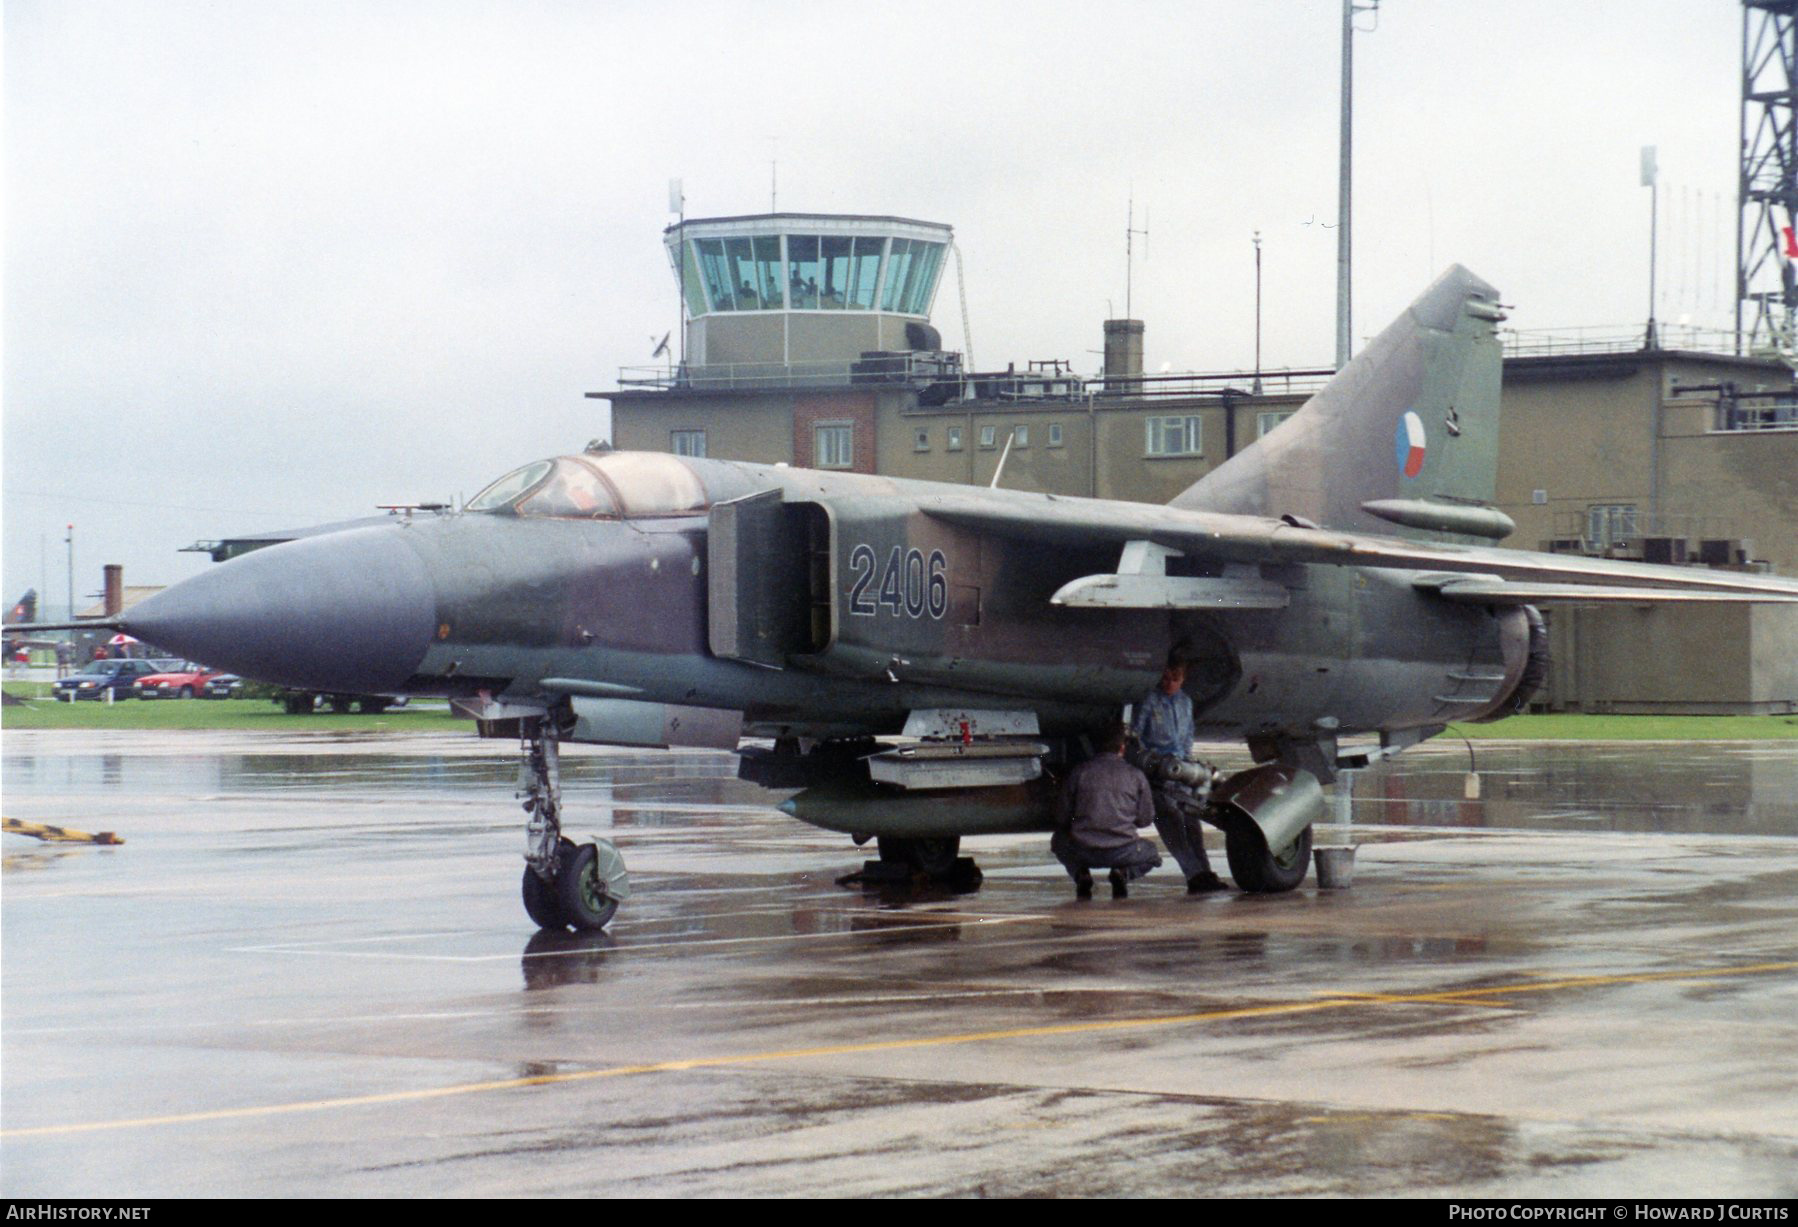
(943, 374)
(1613, 339)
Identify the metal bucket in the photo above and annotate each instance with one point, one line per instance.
(1335, 868)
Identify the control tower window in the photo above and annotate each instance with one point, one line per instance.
(803, 271)
(808, 272)
(691, 282)
(833, 286)
(899, 266)
(911, 276)
(921, 287)
(864, 272)
(716, 274)
(767, 271)
(740, 254)
(755, 272)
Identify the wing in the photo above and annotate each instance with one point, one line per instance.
(1470, 573)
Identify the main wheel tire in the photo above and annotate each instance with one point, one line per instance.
(298, 704)
(585, 904)
(372, 707)
(934, 857)
(1256, 869)
(340, 706)
(542, 903)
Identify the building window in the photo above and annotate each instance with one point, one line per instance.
(1020, 436)
(848, 271)
(687, 442)
(920, 440)
(1054, 434)
(1610, 524)
(911, 276)
(716, 273)
(989, 436)
(954, 443)
(1173, 436)
(803, 270)
(834, 445)
(1266, 421)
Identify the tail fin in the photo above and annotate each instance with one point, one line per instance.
(1408, 428)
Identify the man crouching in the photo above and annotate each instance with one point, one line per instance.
(1103, 804)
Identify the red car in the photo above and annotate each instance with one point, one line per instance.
(183, 683)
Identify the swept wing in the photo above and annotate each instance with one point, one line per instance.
(1469, 573)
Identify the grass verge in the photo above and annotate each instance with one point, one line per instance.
(248, 715)
(259, 714)
(1579, 726)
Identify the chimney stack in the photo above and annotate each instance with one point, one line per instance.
(1123, 355)
(115, 589)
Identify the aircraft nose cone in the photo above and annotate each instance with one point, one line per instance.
(349, 611)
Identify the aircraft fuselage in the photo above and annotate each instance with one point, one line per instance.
(854, 608)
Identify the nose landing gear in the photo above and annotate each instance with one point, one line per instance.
(566, 885)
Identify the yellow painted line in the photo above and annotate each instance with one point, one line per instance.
(1332, 1001)
(1457, 995)
(1444, 998)
(57, 835)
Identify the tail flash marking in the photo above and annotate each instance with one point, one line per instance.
(1410, 444)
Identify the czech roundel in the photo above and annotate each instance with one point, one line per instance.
(1409, 444)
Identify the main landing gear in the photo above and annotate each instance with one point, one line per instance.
(1265, 814)
(906, 861)
(566, 885)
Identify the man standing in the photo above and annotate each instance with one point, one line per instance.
(1163, 725)
(1103, 803)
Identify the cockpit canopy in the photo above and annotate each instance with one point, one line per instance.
(595, 487)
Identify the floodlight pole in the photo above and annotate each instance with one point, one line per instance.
(677, 204)
(1257, 385)
(1344, 176)
(1651, 180)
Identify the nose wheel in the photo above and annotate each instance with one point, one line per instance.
(584, 888)
(581, 896)
(566, 885)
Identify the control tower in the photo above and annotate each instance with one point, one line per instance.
(798, 298)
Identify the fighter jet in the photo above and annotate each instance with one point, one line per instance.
(22, 616)
(924, 660)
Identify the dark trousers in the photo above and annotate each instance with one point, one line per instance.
(1132, 859)
(1182, 835)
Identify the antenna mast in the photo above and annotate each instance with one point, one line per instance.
(1767, 203)
(1130, 233)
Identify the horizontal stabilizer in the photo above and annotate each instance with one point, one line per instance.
(85, 624)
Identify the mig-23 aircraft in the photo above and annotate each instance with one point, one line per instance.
(922, 660)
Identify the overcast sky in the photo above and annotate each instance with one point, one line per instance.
(273, 264)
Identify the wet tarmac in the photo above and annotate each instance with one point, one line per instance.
(307, 973)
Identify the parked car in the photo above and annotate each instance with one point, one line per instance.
(222, 686)
(100, 676)
(183, 682)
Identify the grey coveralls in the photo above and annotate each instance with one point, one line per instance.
(1103, 803)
